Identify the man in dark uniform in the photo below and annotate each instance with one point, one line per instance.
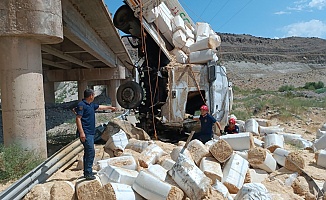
(206, 121)
(231, 128)
(85, 121)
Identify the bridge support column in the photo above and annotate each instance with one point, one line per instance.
(24, 27)
(111, 90)
(82, 86)
(23, 112)
(49, 93)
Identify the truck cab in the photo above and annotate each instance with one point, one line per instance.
(172, 81)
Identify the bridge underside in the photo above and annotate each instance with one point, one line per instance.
(53, 41)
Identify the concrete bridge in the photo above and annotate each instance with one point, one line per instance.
(48, 41)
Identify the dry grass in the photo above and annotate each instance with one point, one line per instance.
(15, 162)
(286, 105)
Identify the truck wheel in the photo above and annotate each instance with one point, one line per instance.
(130, 95)
(122, 18)
(125, 21)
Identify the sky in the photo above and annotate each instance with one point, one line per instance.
(261, 18)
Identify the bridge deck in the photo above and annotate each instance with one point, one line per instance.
(90, 39)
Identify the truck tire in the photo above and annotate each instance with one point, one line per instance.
(122, 18)
(130, 95)
(125, 21)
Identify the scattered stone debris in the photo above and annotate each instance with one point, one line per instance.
(248, 165)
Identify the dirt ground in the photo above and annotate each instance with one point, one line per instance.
(307, 125)
(275, 181)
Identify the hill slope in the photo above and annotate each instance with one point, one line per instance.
(264, 63)
(265, 50)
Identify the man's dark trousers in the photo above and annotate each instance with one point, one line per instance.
(89, 154)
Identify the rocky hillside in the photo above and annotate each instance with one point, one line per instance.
(265, 50)
(264, 63)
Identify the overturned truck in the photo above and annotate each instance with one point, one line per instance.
(179, 70)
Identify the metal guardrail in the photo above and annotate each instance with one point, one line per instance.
(64, 157)
(42, 172)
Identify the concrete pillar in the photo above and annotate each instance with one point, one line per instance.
(82, 86)
(49, 95)
(23, 112)
(25, 25)
(112, 92)
(106, 89)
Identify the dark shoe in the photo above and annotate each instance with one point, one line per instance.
(90, 177)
